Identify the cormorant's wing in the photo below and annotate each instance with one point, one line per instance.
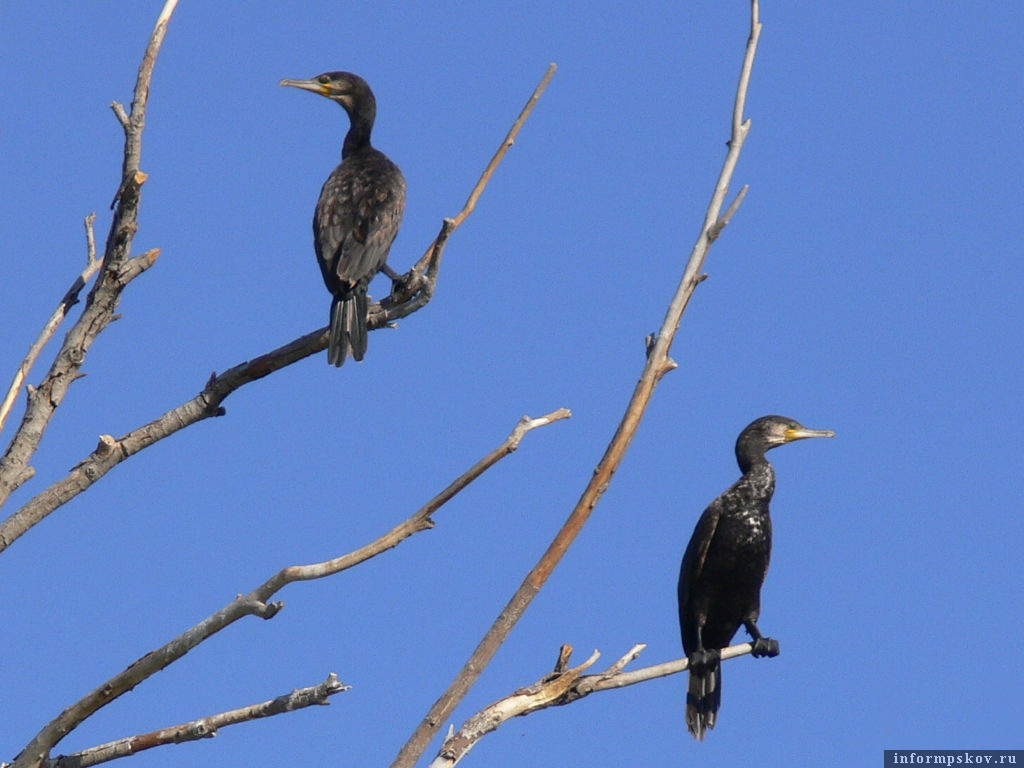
(697, 549)
(357, 219)
(374, 226)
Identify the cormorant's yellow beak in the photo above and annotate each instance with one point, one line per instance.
(803, 432)
(308, 85)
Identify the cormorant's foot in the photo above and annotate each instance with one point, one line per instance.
(701, 661)
(765, 646)
(403, 285)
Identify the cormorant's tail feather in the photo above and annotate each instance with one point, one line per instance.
(348, 326)
(703, 698)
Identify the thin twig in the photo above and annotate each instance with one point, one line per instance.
(656, 365)
(555, 690)
(723, 221)
(66, 303)
(203, 728)
(135, 122)
(416, 289)
(256, 603)
(418, 522)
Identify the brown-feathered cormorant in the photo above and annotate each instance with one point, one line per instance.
(357, 215)
(725, 564)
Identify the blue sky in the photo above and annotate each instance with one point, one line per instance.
(869, 284)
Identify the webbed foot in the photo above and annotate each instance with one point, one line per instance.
(765, 646)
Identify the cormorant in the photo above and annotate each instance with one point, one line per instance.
(725, 564)
(358, 213)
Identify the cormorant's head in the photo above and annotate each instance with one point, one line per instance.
(779, 430)
(767, 432)
(347, 89)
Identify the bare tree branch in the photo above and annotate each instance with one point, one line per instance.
(135, 123)
(417, 287)
(66, 303)
(418, 522)
(118, 270)
(620, 679)
(540, 695)
(256, 603)
(412, 292)
(658, 363)
(723, 222)
(561, 687)
(203, 728)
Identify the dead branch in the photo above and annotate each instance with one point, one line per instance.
(423, 276)
(117, 270)
(66, 303)
(256, 603)
(411, 292)
(418, 522)
(656, 365)
(561, 687)
(203, 728)
(540, 695)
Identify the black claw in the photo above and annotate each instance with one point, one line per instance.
(765, 646)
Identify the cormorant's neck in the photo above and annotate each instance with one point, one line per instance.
(758, 478)
(358, 136)
(749, 454)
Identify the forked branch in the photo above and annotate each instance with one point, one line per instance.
(563, 686)
(118, 269)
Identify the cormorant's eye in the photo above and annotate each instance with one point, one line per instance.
(324, 79)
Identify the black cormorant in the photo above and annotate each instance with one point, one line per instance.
(725, 564)
(358, 213)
